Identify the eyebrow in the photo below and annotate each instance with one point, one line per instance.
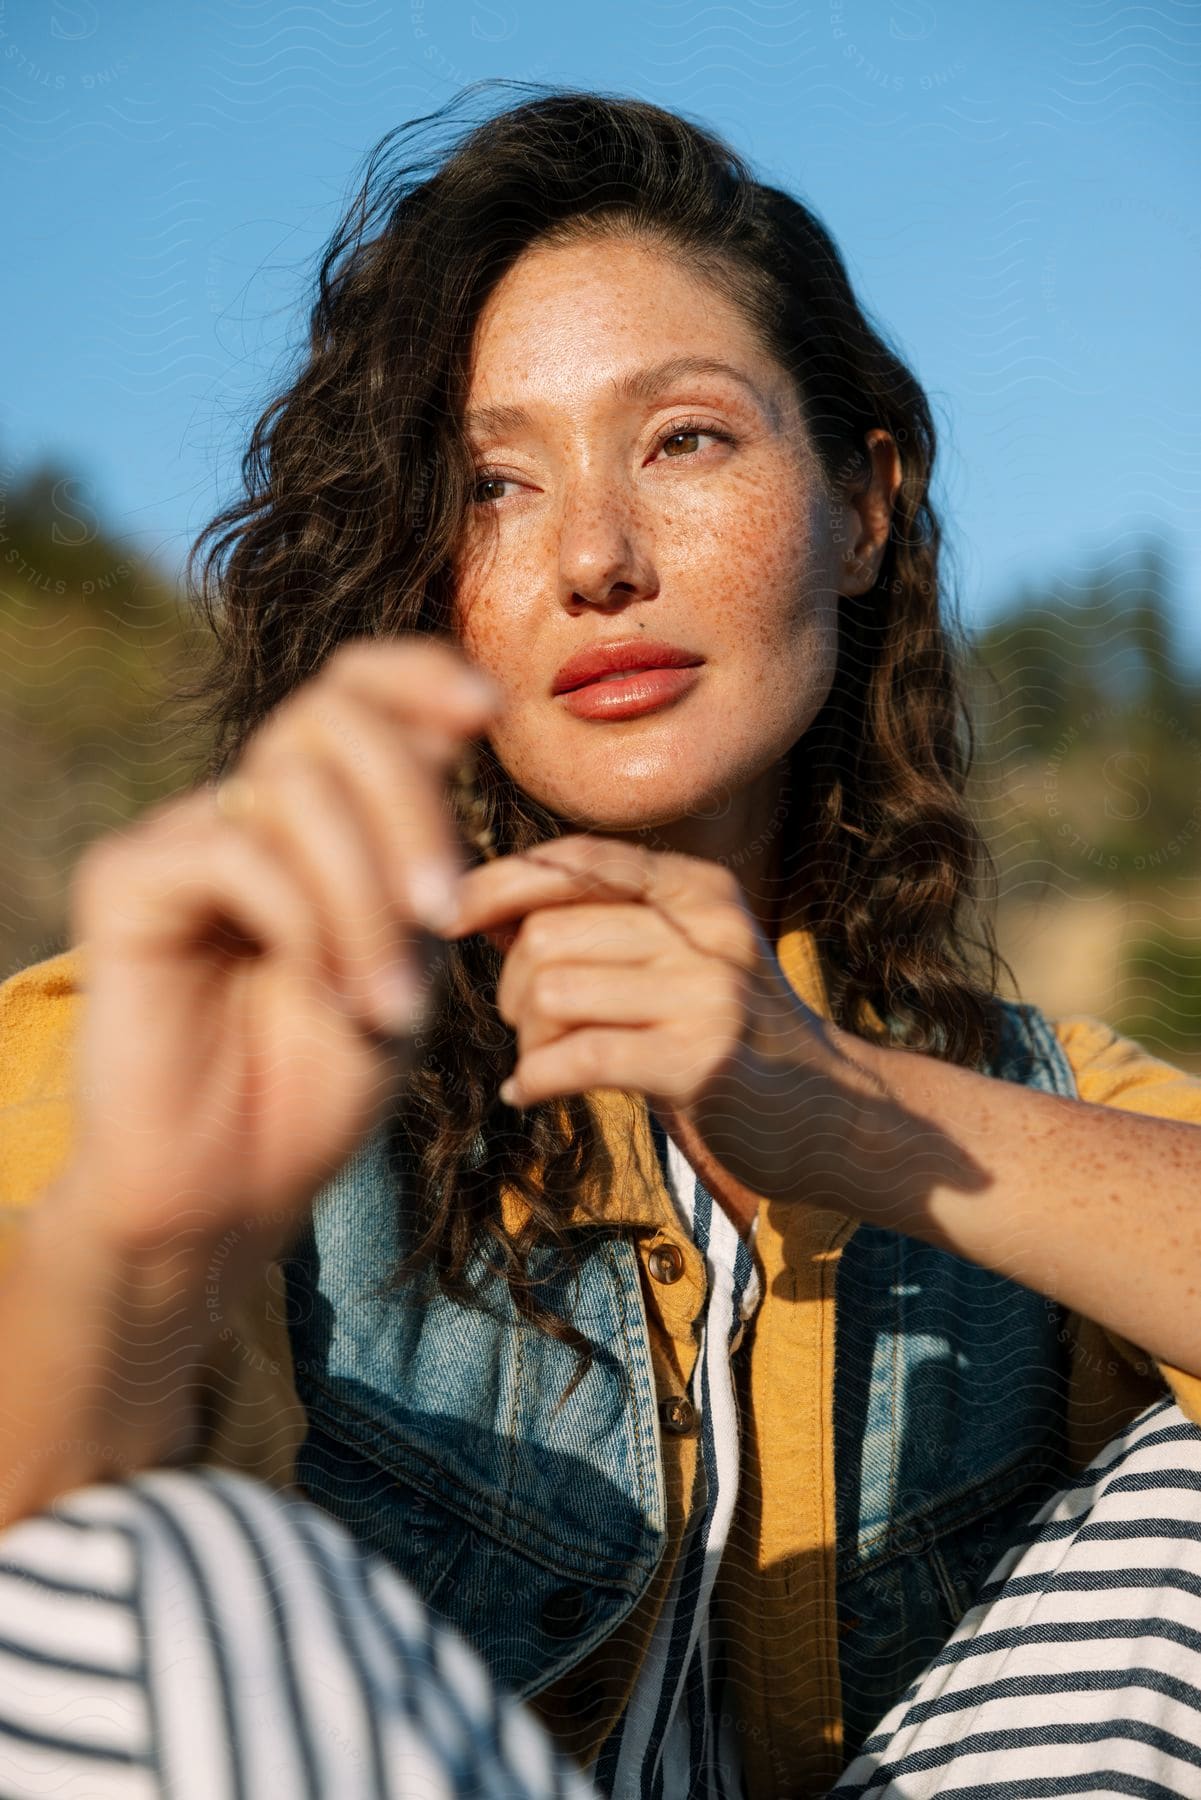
(640, 384)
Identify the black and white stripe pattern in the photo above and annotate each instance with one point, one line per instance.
(668, 1744)
(193, 1635)
(1078, 1671)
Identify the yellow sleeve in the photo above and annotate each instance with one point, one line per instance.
(38, 1014)
(253, 1419)
(1112, 1070)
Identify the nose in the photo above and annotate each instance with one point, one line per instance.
(605, 555)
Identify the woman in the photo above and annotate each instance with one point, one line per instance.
(502, 1213)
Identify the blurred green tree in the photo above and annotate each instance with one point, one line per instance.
(1090, 730)
(92, 639)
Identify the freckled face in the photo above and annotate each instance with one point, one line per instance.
(687, 510)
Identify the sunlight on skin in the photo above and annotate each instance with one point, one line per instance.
(619, 517)
(696, 514)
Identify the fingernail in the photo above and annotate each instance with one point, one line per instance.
(403, 1004)
(479, 688)
(433, 894)
(509, 1091)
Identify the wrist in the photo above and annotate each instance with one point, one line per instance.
(794, 1116)
(894, 1153)
(128, 1330)
(858, 1116)
(150, 1246)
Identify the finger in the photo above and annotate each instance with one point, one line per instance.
(582, 868)
(551, 874)
(713, 942)
(416, 677)
(312, 821)
(587, 930)
(712, 1005)
(565, 996)
(606, 934)
(186, 878)
(402, 806)
(597, 1057)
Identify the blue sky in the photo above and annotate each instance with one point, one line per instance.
(1014, 188)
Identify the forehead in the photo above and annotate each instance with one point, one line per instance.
(603, 306)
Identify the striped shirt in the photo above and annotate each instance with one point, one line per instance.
(194, 1635)
(675, 1740)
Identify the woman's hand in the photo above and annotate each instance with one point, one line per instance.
(645, 970)
(252, 980)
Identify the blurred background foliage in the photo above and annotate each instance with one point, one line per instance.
(1086, 779)
(1087, 784)
(92, 639)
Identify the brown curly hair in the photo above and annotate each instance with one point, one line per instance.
(357, 483)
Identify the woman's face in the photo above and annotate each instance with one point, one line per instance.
(638, 492)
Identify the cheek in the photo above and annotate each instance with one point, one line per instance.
(776, 570)
(496, 633)
(786, 648)
(487, 628)
(495, 609)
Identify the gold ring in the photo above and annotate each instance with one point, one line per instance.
(234, 799)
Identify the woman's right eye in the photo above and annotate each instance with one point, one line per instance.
(489, 481)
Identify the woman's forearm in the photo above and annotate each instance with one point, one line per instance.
(100, 1348)
(1096, 1207)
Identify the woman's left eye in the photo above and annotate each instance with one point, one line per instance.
(685, 437)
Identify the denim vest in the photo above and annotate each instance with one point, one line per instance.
(435, 1434)
(950, 1402)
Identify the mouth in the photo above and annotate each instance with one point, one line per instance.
(627, 694)
(620, 662)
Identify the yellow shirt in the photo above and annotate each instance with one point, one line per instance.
(781, 1556)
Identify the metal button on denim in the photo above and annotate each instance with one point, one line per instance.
(666, 1263)
(677, 1415)
(563, 1612)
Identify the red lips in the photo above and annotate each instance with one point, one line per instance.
(624, 653)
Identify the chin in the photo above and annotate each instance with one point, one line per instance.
(656, 827)
(624, 822)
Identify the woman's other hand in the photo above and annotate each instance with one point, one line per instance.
(254, 975)
(646, 971)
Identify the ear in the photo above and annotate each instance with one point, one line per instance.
(869, 516)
